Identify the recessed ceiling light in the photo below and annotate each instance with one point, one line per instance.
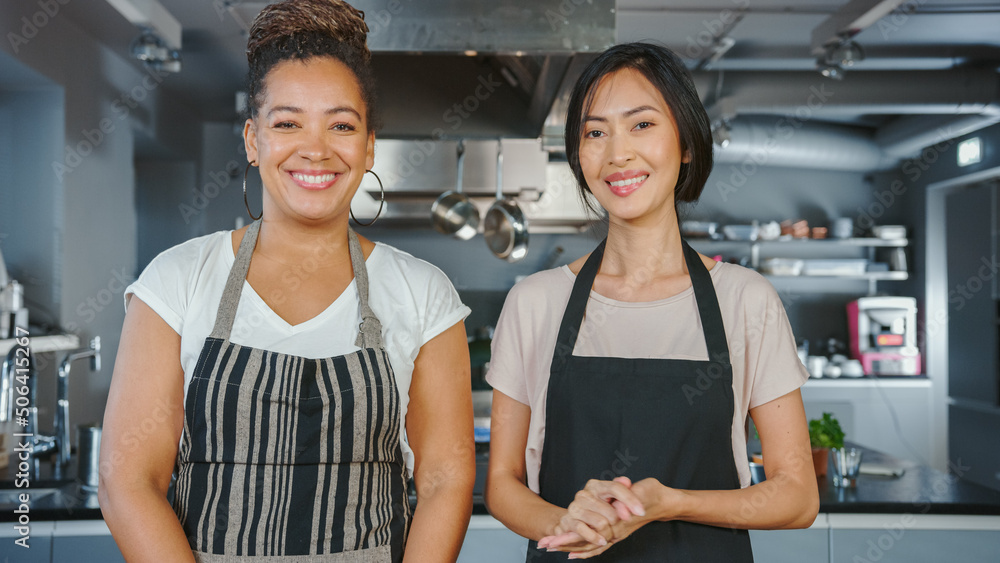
(970, 151)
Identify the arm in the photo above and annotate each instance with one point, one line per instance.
(788, 499)
(439, 429)
(508, 498)
(137, 458)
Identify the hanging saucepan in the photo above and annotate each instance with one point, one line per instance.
(453, 213)
(505, 227)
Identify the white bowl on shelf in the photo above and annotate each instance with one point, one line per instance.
(741, 232)
(699, 229)
(782, 267)
(835, 267)
(852, 368)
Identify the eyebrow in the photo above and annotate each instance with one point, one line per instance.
(331, 111)
(627, 113)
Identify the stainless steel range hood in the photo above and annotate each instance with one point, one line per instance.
(438, 62)
(415, 172)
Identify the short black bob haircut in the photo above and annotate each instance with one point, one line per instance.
(665, 71)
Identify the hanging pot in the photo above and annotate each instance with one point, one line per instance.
(453, 213)
(505, 227)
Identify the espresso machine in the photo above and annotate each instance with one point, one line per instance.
(883, 335)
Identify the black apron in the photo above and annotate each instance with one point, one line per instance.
(286, 458)
(639, 418)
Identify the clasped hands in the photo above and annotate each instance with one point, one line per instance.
(602, 514)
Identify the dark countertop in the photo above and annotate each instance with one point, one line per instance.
(920, 490)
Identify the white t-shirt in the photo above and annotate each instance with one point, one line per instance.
(413, 299)
(761, 346)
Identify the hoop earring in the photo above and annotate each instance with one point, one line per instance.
(381, 203)
(245, 202)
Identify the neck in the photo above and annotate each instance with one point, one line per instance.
(292, 242)
(644, 249)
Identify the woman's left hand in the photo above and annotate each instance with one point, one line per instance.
(648, 491)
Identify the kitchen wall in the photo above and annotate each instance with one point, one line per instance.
(735, 193)
(76, 227)
(923, 182)
(68, 217)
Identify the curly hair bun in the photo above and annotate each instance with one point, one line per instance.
(334, 19)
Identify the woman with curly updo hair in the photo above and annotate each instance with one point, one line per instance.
(291, 374)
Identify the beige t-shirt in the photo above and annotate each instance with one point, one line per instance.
(761, 345)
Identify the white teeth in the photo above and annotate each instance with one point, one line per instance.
(630, 181)
(314, 179)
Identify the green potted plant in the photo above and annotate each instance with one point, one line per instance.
(824, 433)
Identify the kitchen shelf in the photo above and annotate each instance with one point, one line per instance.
(800, 249)
(919, 381)
(870, 276)
(874, 242)
(861, 241)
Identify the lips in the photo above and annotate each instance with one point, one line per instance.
(314, 179)
(623, 183)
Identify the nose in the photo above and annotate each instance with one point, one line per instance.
(314, 146)
(620, 150)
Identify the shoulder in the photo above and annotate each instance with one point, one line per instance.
(539, 298)
(741, 282)
(180, 273)
(543, 287)
(395, 266)
(199, 249)
(747, 299)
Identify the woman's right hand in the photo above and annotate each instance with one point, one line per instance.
(592, 516)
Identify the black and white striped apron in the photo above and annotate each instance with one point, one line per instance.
(285, 458)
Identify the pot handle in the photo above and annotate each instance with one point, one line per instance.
(499, 169)
(461, 165)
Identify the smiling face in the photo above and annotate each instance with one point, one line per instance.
(310, 140)
(630, 148)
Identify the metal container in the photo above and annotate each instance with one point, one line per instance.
(453, 213)
(88, 455)
(699, 229)
(505, 228)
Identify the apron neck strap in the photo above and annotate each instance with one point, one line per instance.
(708, 306)
(704, 291)
(234, 284)
(569, 329)
(370, 331)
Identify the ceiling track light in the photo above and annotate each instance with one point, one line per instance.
(836, 56)
(722, 133)
(154, 53)
(833, 71)
(846, 53)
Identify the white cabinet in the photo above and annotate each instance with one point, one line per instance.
(489, 541)
(885, 414)
(811, 545)
(833, 538)
(39, 543)
(84, 541)
(66, 541)
(908, 538)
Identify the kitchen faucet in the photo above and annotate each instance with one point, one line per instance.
(62, 399)
(40, 444)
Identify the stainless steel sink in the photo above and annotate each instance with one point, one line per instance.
(12, 497)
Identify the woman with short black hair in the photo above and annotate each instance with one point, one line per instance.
(623, 381)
